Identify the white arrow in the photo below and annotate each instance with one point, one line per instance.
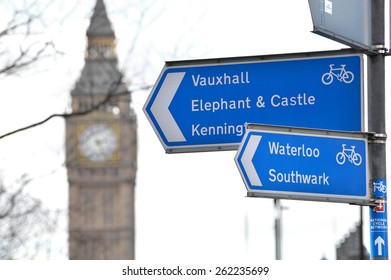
(160, 110)
(379, 242)
(247, 158)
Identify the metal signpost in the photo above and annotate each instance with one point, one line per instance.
(376, 122)
(364, 29)
(306, 164)
(203, 105)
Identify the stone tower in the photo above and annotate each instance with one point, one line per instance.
(101, 152)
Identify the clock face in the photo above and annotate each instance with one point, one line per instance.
(98, 142)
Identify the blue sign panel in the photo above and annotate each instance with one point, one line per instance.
(378, 224)
(303, 165)
(205, 105)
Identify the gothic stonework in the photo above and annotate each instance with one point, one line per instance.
(101, 152)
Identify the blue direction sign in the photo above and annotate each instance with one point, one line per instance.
(204, 105)
(304, 164)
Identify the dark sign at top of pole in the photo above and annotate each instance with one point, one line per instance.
(335, 20)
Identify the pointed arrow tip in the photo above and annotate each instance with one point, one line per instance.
(247, 158)
(160, 107)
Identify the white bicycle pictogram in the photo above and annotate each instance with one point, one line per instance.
(340, 73)
(350, 154)
(380, 186)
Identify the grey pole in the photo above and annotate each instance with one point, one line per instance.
(360, 233)
(277, 227)
(376, 118)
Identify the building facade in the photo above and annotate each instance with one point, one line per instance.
(101, 152)
(351, 247)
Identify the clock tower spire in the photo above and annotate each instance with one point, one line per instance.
(101, 152)
(100, 34)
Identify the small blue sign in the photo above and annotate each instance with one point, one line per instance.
(205, 105)
(302, 165)
(378, 224)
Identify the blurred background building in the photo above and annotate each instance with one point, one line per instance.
(101, 152)
(351, 246)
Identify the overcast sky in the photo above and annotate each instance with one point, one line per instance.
(188, 206)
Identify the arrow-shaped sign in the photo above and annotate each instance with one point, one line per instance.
(203, 105)
(289, 163)
(379, 242)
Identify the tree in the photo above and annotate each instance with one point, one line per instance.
(19, 50)
(25, 225)
(31, 52)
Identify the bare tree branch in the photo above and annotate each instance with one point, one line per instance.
(74, 114)
(22, 220)
(25, 58)
(20, 26)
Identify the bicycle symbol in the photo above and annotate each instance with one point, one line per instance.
(350, 154)
(340, 73)
(380, 186)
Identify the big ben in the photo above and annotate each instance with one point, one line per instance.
(101, 152)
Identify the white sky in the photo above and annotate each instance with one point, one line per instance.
(188, 206)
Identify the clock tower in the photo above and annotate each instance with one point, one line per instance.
(101, 152)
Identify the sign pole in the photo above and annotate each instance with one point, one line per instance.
(277, 228)
(377, 147)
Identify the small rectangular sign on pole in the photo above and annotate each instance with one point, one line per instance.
(378, 221)
(305, 164)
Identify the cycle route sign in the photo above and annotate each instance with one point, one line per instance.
(305, 164)
(378, 221)
(203, 105)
